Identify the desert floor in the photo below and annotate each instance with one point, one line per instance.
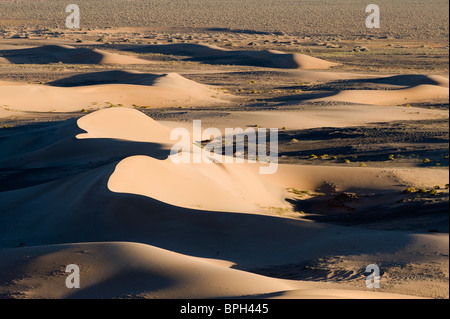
(86, 176)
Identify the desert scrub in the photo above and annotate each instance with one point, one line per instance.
(409, 190)
(362, 165)
(304, 193)
(298, 192)
(279, 210)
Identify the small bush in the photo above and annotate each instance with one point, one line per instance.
(426, 160)
(409, 190)
(298, 192)
(362, 165)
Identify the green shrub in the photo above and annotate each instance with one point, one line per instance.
(409, 190)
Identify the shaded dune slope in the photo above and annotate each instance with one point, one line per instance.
(67, 54)
(216, 55)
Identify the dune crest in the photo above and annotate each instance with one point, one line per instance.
(67, 54)
(415, 94)
(167, 90)
(212, 187)
(123, 124)
(265, 58)
(126, 269)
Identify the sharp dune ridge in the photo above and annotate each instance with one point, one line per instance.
(149, 90)
(67, 54)
(263, 58)
(166, 275)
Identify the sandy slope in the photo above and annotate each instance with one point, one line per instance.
(307, 117)
(420, 93)
(264, 58)
(132, 199)
(67, 54)
(127, 270)
(167, 90)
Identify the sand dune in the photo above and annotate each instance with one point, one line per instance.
(307, 117)
(168, 90)
(131, 199)
(90, 139)
(196, 185)
(88, 176)
(411, 80)
(410, 88)
(67, 54)
(131, 270)
(215, 55)
(420, 93)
